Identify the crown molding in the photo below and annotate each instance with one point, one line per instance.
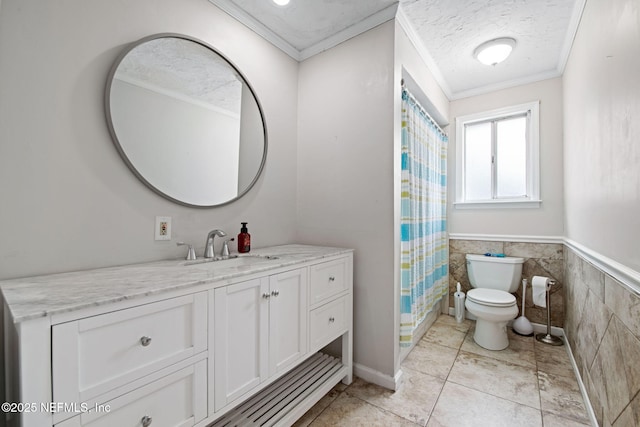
(481, 90)
(257, 27)
(574, 23)
(387, 14)
(372, 21)
(414, 38)
(263, 31)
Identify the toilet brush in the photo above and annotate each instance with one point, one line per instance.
(521, 325)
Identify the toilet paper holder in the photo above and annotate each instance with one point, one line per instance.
(548, 338)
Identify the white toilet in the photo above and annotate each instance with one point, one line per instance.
(493, 280)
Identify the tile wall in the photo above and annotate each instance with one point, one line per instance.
(600, 317)
(540, 259)
(602, 325)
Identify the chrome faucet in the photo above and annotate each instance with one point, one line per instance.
(208, 247)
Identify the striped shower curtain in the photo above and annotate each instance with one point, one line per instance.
(424, 258)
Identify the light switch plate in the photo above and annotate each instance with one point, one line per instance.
(163, 228)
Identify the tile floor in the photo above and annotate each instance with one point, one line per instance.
(450, 381)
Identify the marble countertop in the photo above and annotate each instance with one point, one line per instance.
(41, 296)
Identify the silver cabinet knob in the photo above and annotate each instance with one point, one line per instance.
(275, 293)
(332, 319)
(145, 341)
(146, 421)
(332, 279)
(266, 296)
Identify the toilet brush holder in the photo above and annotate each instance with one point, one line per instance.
(522, 325)
(548, 338)
(459, 297)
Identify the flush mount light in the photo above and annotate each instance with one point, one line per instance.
(281, 2)
(494, 51)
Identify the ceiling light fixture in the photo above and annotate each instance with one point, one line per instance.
(494, 51)
(281, 2)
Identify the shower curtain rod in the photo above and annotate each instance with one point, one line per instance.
(422, 110)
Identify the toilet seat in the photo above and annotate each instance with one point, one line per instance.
(491, 297)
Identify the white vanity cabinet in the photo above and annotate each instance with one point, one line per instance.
(180, 345)
(98, 358)
(260, 330)
(99, 353)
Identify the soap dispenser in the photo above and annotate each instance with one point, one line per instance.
(244, 239)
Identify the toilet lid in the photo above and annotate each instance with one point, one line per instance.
(492, 297)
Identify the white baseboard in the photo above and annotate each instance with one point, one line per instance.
(378, 378)
(583, 389)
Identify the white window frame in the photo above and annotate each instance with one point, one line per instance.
(532, 199)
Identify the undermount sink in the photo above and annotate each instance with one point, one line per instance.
(232, 261)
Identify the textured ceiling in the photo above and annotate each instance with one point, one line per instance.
(451, 30)
(303, 23)
(447, 32)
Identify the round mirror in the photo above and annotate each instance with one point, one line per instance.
(185, 120)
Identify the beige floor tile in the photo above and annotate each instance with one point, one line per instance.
(445, 334)
(561, 396)
(317, 409)
(445, 319)
(340, 387)
(414, 400)
(460, 406)
(349, 411)
(553, 420)
(553, 360)
(430, 358)
(521, 350)
(496, 377)
(448, 380)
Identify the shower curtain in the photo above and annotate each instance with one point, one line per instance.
(424, 247)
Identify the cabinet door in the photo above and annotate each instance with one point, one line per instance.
(287, 319)
(241, 331)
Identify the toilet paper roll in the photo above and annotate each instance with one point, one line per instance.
(539, 289)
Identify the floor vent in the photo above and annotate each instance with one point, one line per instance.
(282, 402)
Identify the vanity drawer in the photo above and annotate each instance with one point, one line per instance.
(94, 355)
(327, 279)
(179, 399)
(327, 322)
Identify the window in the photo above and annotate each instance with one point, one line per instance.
(497, 158)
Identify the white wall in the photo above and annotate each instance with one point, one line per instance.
(544, 221)
(68, 201)
(602, 131)
(345, 176)
(349, 175)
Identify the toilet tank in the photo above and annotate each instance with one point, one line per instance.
(488, 272)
